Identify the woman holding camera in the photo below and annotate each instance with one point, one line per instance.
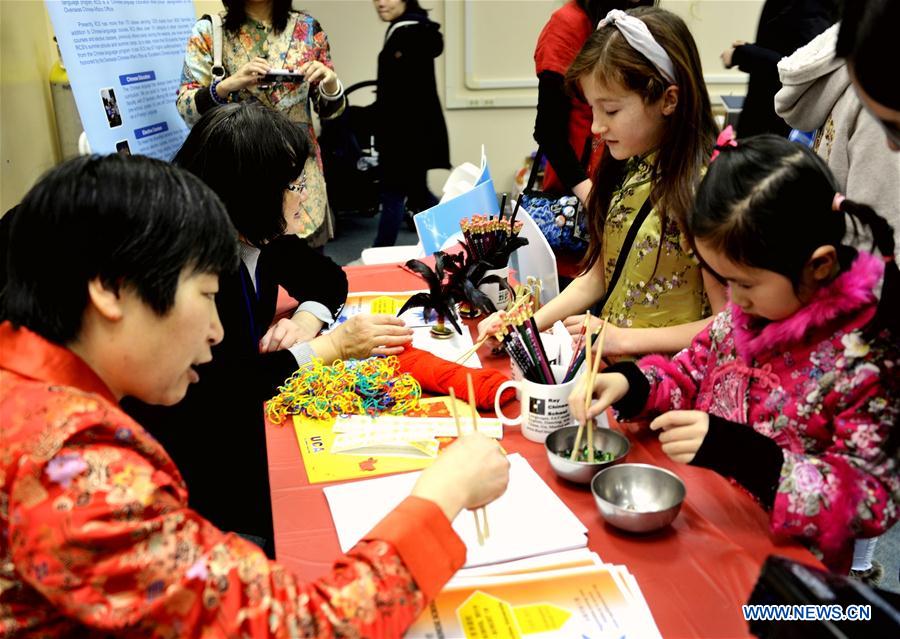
(261, 40)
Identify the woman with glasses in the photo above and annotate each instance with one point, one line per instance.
(254, 159)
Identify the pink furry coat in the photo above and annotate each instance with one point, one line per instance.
(822, 389)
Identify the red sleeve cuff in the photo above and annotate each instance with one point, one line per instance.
(426, 542)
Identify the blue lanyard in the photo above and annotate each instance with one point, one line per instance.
(246, 287)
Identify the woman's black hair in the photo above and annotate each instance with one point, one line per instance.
(868, 39)
(597, 9)
(248, 154)
(236, 13)
(413, 6)
(767, 203)
(132, 221)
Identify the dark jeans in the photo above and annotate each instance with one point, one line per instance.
(395, 197)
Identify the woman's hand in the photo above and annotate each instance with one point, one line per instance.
(302, 327)
(247, 76)
(608, 389)
(727, 55)
(470, 473)
(683, 432)
(315, 72)
(362, 336)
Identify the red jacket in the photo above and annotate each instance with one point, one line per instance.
(96, 531)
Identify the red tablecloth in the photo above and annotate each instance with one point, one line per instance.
(695, 574)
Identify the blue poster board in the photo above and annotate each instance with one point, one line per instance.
(124, 60)
(438, 227)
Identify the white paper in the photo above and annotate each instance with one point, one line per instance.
(450, 349)
(439, 426)
(528, 520)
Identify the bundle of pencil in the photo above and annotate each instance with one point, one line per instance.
(522, 340)
(484, 233)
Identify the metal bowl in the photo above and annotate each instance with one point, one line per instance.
(581, 472)
(638, 497)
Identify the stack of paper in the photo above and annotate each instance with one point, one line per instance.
(561, 596)
(533, 576)
(528, 520)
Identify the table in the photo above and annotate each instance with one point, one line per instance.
(695, 574)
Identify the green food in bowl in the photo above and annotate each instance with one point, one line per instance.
(582, 456)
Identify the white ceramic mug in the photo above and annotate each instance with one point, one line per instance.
(545, 407)
(498, 295)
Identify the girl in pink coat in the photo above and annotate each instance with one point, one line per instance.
(792, 390)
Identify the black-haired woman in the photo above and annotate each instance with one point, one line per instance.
(410, 135)
(254, 158)
(260, 36)
(98, 536)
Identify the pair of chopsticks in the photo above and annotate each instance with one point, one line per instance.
(483, 530)
(462, 358)
(590, 372)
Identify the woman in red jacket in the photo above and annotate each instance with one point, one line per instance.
(98, 538)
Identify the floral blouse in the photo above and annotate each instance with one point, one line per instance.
(661, 284)
(97, 538)
(819, 384)
(301, 41)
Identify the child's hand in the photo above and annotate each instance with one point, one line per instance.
(490, 325)
(608, 389)
(573, 324)
(614, 342)
(683, 433)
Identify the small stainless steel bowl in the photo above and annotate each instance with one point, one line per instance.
(638, 497)
(580, 472)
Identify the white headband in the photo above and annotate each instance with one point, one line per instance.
(639, 37)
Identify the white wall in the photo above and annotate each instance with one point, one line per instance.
(27, 131)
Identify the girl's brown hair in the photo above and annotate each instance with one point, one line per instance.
(688, 140)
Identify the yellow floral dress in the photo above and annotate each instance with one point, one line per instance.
(661, 284)
(301, 41)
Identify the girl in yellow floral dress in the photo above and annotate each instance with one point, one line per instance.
(260, 36)
(640, 72)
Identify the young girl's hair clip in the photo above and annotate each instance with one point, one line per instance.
(726, 139)
(837, 201)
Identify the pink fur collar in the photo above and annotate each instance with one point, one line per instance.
(850, 291)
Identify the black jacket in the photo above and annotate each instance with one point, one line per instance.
(784, 27)
(409, 124)
(216, 433)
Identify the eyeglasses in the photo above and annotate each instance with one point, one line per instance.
(298, 188)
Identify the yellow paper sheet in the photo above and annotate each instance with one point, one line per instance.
(315, 438)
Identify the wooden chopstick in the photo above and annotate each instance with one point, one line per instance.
(462, 358)
(485, 528)
(459, 434)
(586, 379)
(590, 392)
